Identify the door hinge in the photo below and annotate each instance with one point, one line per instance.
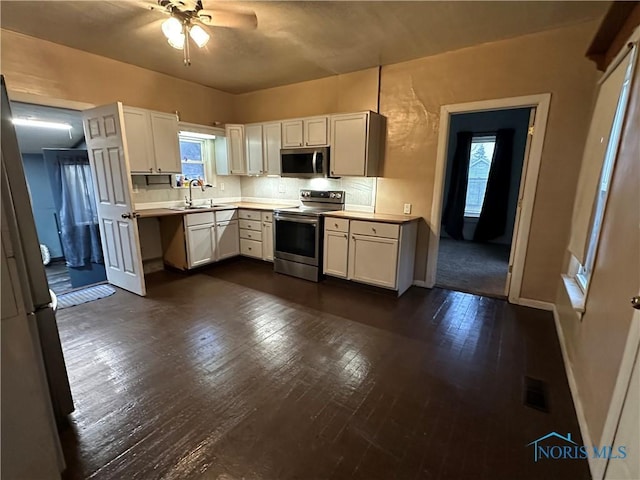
(531, 129)
(519, 203)
(510, 268)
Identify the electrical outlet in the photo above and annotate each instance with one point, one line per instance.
(135, 188)
(281, 188)
(222, 187)
(407, 208)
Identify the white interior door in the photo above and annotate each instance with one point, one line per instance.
(112, 182)
(623, 420)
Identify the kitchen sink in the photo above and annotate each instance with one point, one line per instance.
(198, 207)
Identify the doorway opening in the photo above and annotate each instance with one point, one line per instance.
(485, 156)
(56, 166)
(538, 108)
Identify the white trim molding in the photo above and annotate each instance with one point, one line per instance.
(530, 177)
(575, 394)
(539, 304)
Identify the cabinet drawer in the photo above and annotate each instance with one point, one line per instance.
(251, 225)
(249, 214)
(226, 215)
(336, 224)
(375, 229)
(199, 218)
(251, 235)
(267, 216)
(250, 248)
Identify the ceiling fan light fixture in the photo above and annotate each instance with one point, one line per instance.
(198, 35)
(177, 41)
(172, 27)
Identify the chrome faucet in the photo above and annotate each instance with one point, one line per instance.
(189, 201)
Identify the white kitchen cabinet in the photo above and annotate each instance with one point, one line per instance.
(316, 131)
(235, 149)
(267, 241)
(336, 252)
(292, 134)
(305, 132)
(139, 142)
(271, 144)
(151, 141)
(373, 260)
(254, 150)
(166, 147)
(200, 244)
(227, 240)
(356, 144)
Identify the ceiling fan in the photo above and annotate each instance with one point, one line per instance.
(187, 18)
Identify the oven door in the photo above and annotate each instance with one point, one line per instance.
(297, 238)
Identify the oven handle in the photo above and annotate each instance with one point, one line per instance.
(297, 219)
(315, 157)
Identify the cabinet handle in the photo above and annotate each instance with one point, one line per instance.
(249, 248)
(346, 236)
(336, 225)
(160, 170)
(374, 230)
(151, 170)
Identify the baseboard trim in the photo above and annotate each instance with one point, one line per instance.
(539, 304)
(573, 386)
(420, 283)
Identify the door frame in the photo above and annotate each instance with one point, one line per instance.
(529, 176)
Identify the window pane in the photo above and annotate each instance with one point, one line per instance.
(190, 150)
(479, 167)
(193, 170)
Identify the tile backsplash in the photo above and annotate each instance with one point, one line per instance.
(360, 192)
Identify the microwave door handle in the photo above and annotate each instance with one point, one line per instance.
(315, 157)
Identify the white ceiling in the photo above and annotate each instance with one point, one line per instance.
(294, 41)
(34, 139)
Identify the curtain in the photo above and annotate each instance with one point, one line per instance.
(453, 217)
(493, 217)
(78, 213)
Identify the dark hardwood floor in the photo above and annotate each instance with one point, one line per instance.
(58, 276)
(237, 372)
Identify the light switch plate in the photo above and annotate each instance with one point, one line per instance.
(407, 208)
(221, 187)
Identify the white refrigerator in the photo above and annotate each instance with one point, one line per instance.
(18, 222)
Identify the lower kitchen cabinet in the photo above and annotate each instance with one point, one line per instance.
(336, 247)
(375, 253)
(251, 248)
(267, 241)
(256, 234)
(227, 240)
(201, 240)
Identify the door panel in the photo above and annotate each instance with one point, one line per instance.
(267, 241)
(315, 132)
(348, 144)
(373, 260)
(292, 134)
(166, 148)
(253, 136)
(112, 182)
(228, 240)
(272, 143)
(138, 141)
(200, 240)
(336, 249)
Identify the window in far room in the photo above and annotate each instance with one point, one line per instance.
(479, 166)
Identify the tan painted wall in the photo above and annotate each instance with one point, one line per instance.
(40, 68)
(350, 92)
(411, 96)
(595, 344)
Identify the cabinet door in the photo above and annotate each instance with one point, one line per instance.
(228, 240)
(373, 260)
(222, 159)
(267, 241)
(316, 131)
(336, 250)
(349, 145)
(271, 144)
(138, 140)
(165, 142)
(235, 148)
(253, 140)
(292, 134)
(200, 244)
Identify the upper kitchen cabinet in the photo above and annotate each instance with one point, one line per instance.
(271, 144)
(236, 149)
(151, 141)
(254, 151)
(356, 144)
(305, 132)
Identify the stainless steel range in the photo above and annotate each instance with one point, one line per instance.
(298, 233)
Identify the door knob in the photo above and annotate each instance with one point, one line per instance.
(635, 302)
(126, 215)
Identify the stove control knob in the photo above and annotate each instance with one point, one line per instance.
(332, 195)
(338, 195)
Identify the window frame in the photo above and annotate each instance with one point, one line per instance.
(582, 273)
(478, 138)
(204, 147)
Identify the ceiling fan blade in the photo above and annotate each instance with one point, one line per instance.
(229, 19)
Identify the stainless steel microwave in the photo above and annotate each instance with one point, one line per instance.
(304, 162)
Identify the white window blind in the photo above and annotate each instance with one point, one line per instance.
(593, 157)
